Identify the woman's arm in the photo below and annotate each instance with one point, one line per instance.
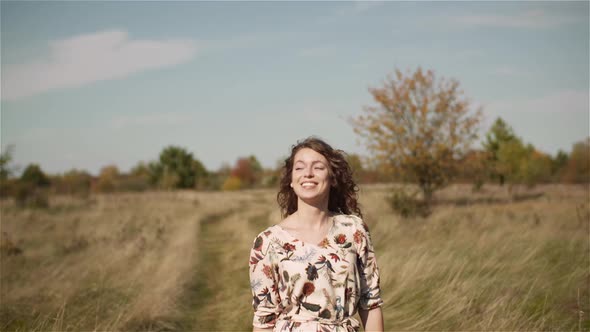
(372, 319)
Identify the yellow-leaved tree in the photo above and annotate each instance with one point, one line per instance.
(420, 128)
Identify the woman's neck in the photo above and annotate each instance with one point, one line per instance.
(311, 217)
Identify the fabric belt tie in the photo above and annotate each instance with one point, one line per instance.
(349, 324)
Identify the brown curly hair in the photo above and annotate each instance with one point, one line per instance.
(343, 191)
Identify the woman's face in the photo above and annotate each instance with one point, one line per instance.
(310, 177)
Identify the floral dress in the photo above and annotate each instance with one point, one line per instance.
(299, 286)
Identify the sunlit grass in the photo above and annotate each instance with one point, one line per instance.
(179, 261)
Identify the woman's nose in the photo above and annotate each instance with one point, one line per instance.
(308, 172)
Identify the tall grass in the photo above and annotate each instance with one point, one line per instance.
(179, 261)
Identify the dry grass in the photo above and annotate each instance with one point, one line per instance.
(178, 261)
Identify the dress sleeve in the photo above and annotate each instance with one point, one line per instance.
(263, 282)
(368, 270)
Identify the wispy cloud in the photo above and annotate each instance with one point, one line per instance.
(532, 19)
(93, 57)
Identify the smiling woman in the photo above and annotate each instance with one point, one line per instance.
(317, 268)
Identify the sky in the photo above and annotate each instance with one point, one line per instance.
(89, 84)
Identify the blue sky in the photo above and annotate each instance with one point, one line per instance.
(87, 84)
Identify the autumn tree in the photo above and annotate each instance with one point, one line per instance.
(522, 164)
(74, 182)
(473, 168)
(108, 179)
(577, 169)
(248, 170)
(420, 127)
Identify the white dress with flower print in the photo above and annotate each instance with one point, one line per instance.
(299, 286)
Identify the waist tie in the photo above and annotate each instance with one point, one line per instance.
(298, 323)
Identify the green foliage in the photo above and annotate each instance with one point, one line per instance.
(499, 134)
(535, 168)
(34, 176)
(5, 159)
(511, 161)
(176, 168)
(520, 164)
(408, 205)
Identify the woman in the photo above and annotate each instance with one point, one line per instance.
(315, 269)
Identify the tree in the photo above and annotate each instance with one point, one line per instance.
(34, 176)
(420, 127)
(74, 182)
(5, 159)
(108, 179)
(578, 166)
(232, 183)
(248, 170)
(499, 134)
(558, 164)
(176, 168)
(31, 188)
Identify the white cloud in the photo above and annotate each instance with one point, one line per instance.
(89, 58)
(529, 19)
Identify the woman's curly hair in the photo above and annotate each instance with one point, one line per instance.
(343, 190)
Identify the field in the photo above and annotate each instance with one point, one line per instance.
(179, 261)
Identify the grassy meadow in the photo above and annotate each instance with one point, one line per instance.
(178, 261)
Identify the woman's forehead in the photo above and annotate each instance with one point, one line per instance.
(307, 155)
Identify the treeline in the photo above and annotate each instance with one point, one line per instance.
(505, 159)
(175, 168)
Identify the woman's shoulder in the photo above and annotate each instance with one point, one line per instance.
(268, 232)
(351, 221)
(263, 239)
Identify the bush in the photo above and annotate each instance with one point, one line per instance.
(232, 183)
(27, 195)
(407, 205)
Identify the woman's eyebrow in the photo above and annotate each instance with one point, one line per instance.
(313, 162)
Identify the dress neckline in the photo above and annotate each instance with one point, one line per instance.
(318, 245)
